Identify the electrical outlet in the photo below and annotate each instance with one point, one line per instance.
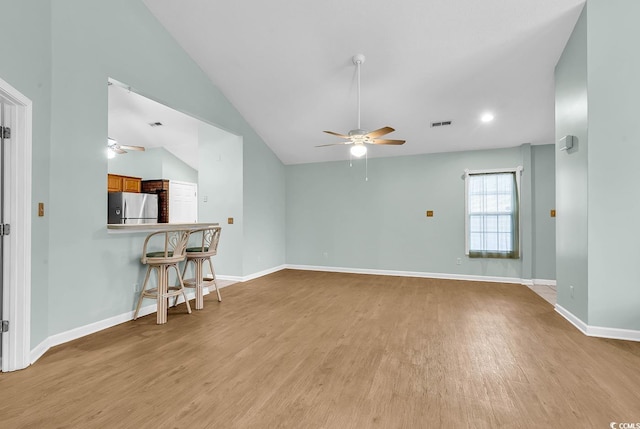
(571, 290)
(459, 261)
(136, 287)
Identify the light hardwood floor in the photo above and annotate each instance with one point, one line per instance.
(300, 349)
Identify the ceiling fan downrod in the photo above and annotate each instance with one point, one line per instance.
(358, 60)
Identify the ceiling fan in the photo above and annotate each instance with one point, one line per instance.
(118, 148)
(359, 137)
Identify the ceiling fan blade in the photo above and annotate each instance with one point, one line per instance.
(117, 149)
(380, 132)
(124, 146)
(336, 134)
(385, 141)
(333, 144)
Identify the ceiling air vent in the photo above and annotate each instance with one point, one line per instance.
(155, 124)
(440, 124)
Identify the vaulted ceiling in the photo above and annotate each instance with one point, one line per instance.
(287, 68)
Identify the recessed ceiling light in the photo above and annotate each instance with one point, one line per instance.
(487, 117)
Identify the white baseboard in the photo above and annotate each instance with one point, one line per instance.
(598, 331)
(574, 320)
(263, 273)
(39, 350)
(73, 334)
(231, 278)
(544, 282)
(408, 274)
(251, 276)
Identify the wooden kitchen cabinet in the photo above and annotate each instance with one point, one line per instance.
(117, 183)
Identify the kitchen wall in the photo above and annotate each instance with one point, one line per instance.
(335, 218)
(173, 168)
(153, 163)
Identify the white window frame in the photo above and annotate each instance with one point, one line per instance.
(518, 174)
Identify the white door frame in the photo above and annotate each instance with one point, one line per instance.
(17, 273)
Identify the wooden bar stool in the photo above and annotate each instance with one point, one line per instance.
(172, 250)
(202, 246)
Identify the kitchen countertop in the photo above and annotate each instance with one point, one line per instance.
(152, 227)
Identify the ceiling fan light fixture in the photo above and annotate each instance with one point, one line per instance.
(358, 150)
(487, 117)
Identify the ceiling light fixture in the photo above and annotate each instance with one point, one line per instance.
(487, 117)
(358, 150)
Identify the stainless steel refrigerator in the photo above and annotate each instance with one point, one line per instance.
(132, 208)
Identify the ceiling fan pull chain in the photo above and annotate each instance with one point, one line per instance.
(366, 167)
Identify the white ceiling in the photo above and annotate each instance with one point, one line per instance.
(130, 116)
(286, 66)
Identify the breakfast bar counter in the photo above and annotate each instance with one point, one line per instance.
(152, 227)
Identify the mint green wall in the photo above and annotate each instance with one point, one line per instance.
(173, 168)
(153, 163)
(82, 274)
(572, 233)
(220, 182)
(526, 215)
(613, 66)
(543, 201)
(146, 165)
(335, 218)
(26, 65)
(263, 208)
(597, 91)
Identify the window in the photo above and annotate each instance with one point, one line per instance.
(492, 213)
